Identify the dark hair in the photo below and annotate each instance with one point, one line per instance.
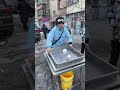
(43, 24)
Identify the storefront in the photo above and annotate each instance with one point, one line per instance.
(75, 21)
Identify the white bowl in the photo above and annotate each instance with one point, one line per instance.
(64, 51)
(68, 56)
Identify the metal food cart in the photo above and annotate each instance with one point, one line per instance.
(100, 75)
(58, 64)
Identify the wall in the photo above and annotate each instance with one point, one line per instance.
(63, 8)
(80, 6)
(53, 7)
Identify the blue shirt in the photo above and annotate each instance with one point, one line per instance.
(54, 35)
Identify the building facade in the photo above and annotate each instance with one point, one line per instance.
(63, 7)
(54, 12)
(74, 13)
(14, 3)
(42, 11)
(45, 11)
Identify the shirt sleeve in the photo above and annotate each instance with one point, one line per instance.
(50, 38)
(69, 37)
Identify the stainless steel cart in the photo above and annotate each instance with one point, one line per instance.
(100, 75)
(58, 67)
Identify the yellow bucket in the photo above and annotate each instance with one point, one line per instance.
(67, 80)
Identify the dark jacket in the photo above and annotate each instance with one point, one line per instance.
(23, 8)
(45, 29)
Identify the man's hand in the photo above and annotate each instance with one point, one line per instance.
(49, 50)
(70, 45)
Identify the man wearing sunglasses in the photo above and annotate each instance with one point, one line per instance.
(57, 35)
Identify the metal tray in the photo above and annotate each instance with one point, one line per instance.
(98, 70)
(60, 61)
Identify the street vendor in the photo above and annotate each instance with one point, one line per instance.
(57, 35)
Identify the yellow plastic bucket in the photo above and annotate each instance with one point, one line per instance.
(67, 80)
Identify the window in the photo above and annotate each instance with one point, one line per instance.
(75, 1)
(44, 12)
(40, 13)
(69, 2)
(53, 12)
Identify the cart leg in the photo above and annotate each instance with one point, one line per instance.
(82, 74)
(55, 82)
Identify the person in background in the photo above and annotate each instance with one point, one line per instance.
(68, 28)
(23, 7)
(116, 10)
(110, 16)
(45, 31)
(84, 33)
(115, 7)
(87, 36)
(115, 45)
(113, 23)
(57, 35)
(48, 29)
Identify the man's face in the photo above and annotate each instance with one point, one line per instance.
(60, 25)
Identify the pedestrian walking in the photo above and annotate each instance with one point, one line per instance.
(45, 31)
(23, 7)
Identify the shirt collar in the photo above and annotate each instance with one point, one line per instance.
(59, 28)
